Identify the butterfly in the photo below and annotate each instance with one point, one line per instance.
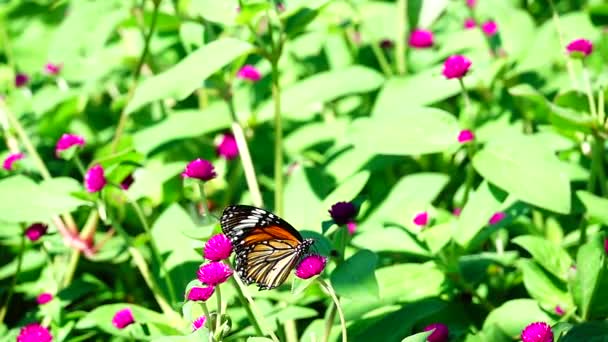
(267, 247)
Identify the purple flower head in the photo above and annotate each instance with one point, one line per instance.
(465, 136)
(489, 28)
(227, 147)
(10, 160)
(343, 212)
(386, 43)
(199, 169)
(310, 266)
(469, 23)
(21, 80)
(198, 323)
(420, 39)
(456, 66)
(52, 68)
(126, 183)
(580, 48)
(421, 219)
(34, 333)
(440, 332)
(559, 310)
(44, 298)
(200, 294)
(537, 332)
(218, 248)
(35, 231)
(213, 273)
(95, 179)
(471, 3)
(122, 318)
(68, 141)
(497, 217)
(250, 73)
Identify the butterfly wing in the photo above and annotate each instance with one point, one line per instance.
(267, 247)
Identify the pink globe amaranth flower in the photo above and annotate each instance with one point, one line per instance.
(457, 211)
(218, 248)
(489, 28)
(580, 48)
(44, 298)
(10, 160)
(465, 136)
(34, 333)
(456, 66)
(471, 3)
(421, 219)
(469, 23)
(497, 217)
(201, 294)
(420, 38)
(343, 212)
(386, 43)
(351, 226)
(52, 68)
(198, 323)
(310, 266)
(122, 318)
(559, 310)
(440, 332)
(227, 147)
(537, 332)
(250, 73)
(199, 169)
(126, 183)
(68, 141)
(95, 179)
(21, 80)
(213, 273)
(35, 231)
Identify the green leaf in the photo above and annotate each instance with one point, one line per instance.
(355, 278)
(548, 254)
(588, 332)
(201, 334)
(592, 278)
(183, 78)
(221, 12)
(519, 166)
(32, 260)
(419, 337)
(596, 207)
(482, 204)
(390, 239)
(292, 313)
(314, 133)
(570, 119)
(513, 316)
(347, 190)
(412, 132)
(541, 286)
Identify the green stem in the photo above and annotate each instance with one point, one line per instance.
(203, 197)
(589, 92)
(597, 165)
(243, 300)
(79, 165)
(11, 289)
(562, 44)
(218, 321)
(278, 140)
(256, 311)
(465, 94)
(382, 61)
(330, 322)
(401, 36)
(71, 270)
(334, 297)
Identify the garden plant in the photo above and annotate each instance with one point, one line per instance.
(303, 170)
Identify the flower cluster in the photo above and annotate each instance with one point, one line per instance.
(311, 266)
(123, 318)
(537, 332)
(344, 213)
(200, 169)
(34, 333)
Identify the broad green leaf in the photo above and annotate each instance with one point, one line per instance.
(480, 207)
(299, 189)
(292, 312)
(347, 190)
(513, 316)
(596, 207)
(519, 166)
(548, 254)
(475, 268)
(411, 132)
(592, 278)
(570, 119)
(355, 277)
(315, 133)
(222, 12)
(149, 180)
(419, 337)
(587, 331)
(516, 32)
(183, 78)
(201, 334)
(32, 260)
(390, 239)
(542, 287)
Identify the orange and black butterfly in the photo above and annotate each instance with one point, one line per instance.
(267, 248)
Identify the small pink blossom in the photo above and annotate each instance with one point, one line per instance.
(52, 69)
(199, 169)
(21, 80)
(497, 217)
(214, 273)
(34, 333)
(351, 226)
(440, 332)
(35, 231)
(227, 147)
(537, 332)
(580, 48)
(471, 3)
(44, 298)
(465, 136)
(457, 211)
(310, 266)
(201, 294)
(198, 323)
(559, 310)
(95, 179)
(11, 159)
(469, 23)
(123, 318)
(489, 28)
(421, 219)
(218, 248)
(250, 73)
(420, 38)
(456, 66)
(68, 141)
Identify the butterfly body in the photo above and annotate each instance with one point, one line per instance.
(267, 247)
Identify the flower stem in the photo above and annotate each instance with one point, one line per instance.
(597, 165)
(278, 139)
(330, 321)
(589, 92)
(256, 311)
(333, 296)
(218, 320)
(71, 270)
(79, 165)
(11, 289)
(382, 61)
(243, 300)
(401, 36)
(203, 197)
(465, 94)
(560, 36)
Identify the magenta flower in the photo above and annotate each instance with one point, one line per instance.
(200, 294)
(440, 332)
(10, 160)
(497, 217)
(218, 248)
(68, 141)
(250, 73)
(126, 183)
(456, 66)
(122, 318)
(469, 23)
(52, 69)
(471, 3)
(95, 179)
(420, 38)
(537, 332)
(351, 226)
(34, 333)
(35, 231)
(310, 266)
(281, 7)
(44, 298)
(457, 211)
(213, 273)
(489, 28)
(386, 43)
(21, 80)
(343, 212)
(606, 246)
(199, 169)
(198, 323)
(580, 48)
(465, 136)
(421, 219)
(227, 147)
(559, 310)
